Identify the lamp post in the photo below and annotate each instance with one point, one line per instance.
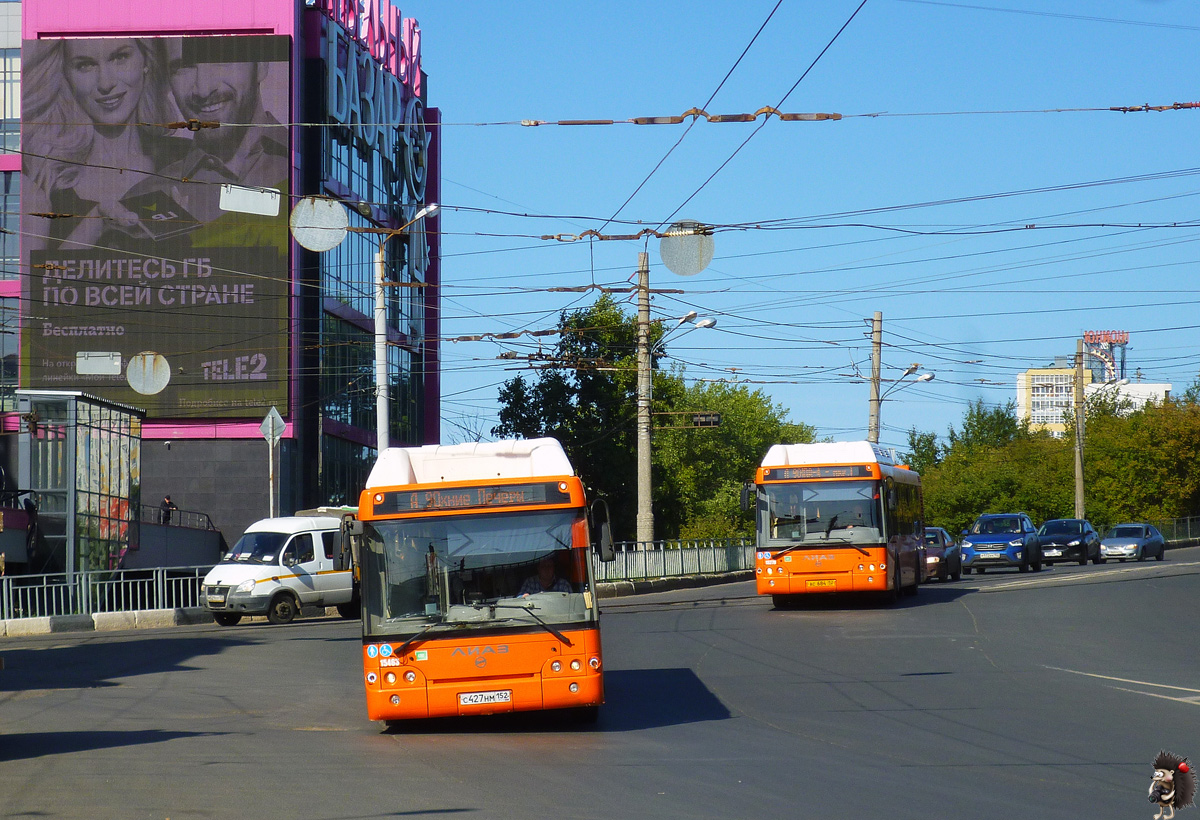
(320, 225)
(877, 399)
(645, 509)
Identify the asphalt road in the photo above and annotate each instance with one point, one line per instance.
(1000, 696)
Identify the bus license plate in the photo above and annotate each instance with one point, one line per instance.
(477, 698)
(825, 583)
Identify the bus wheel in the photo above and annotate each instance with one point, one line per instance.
(782, 601)
(226, 618)
(916, 584)
(282, 609)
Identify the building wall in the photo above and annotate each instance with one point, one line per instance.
(219, 467)
(225, 478)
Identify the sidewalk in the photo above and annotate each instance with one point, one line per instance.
(161, 618)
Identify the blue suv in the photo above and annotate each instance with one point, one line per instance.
(1001, 540)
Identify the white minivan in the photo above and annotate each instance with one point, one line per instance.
(280, 565)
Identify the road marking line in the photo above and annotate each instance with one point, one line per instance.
(1090, 577)
(1124, 680)
(1189, 701)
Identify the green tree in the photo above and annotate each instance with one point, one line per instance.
(924, 453)
(699, 471)
(988, 426)
(585, 396)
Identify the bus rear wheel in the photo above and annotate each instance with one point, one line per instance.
(782, 601)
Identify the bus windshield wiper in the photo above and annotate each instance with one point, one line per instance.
(421, 634)
(529, 608)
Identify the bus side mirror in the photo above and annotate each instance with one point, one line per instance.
(745, 496)
(347, 556)
(602, 531)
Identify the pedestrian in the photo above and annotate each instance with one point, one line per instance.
(164, 510)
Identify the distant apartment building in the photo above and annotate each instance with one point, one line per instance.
(1046, 395)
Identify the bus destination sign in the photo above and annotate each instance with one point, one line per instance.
(802, 473)
(461, 498)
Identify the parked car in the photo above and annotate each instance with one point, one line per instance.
(943, 558)
(1137, 541)
(1069, 539)
(1001, 540)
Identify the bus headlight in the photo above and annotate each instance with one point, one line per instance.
(390, 677)
(574, 687)
(594, 663)
(410, 676)
(556, 667)
(395, 700)
(576, 665)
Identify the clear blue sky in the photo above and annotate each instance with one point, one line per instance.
(900, 213)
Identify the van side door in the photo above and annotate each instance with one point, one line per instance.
(301, 568)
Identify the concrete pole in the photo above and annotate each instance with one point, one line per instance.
(381, 369)
(645, 512)
(876, 345)
(1079, 416)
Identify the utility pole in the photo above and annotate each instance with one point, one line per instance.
(876, 345)
(645, 512)
(1079, 510)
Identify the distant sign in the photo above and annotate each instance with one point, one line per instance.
(272, 427)
(706, 419)
(1106, 337)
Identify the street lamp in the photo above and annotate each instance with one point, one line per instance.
(877, 398)
(320, 225)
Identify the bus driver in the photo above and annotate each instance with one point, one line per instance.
(546, 580)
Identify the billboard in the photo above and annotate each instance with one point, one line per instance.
(154, 235)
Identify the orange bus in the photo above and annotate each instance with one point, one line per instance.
(476, 582)
(836, 517)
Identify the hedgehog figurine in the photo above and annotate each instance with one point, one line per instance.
(1173, 785)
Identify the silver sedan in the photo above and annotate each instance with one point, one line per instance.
(1136, 542)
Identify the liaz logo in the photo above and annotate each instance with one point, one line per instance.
(480, 650)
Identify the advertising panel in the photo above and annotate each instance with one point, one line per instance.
(154, 191)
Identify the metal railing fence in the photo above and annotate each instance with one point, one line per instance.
(34, 596)
(643, 560)
(1180, 532)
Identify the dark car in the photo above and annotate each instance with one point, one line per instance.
(943, 558)
(1137, 541)
(1001, 540)
(1070, 539)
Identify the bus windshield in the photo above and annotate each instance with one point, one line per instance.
(490, 570)
(846, 511)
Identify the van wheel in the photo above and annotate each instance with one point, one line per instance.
(351, 610)
(226, 618)
(282, 609)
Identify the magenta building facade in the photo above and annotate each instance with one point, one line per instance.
(163, 147)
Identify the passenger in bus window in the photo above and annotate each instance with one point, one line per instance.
(546, 580)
